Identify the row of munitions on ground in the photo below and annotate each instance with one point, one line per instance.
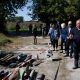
(21, 70)
(11, 59)
(24, 73)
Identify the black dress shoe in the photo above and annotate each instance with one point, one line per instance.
(61, 51)
(66, 56)
(53, 49)
(75, 67)
(71, 56)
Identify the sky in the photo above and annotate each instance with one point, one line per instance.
(24, 12)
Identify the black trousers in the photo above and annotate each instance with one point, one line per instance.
(35, 40)
(50, 38)
(63, 43)
(69, 43)
(76, 56)
(54, 43)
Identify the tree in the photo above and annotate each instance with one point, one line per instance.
(71, 9)
(15, 19)
(19, 18)
(50, 10)
(8, 8)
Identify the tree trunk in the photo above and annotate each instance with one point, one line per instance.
(3, 26)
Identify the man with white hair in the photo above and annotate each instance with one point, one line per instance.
(63, 33)
(75, 35)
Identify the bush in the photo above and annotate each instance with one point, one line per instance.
(3, 42)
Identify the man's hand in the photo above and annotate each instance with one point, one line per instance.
(70, 36)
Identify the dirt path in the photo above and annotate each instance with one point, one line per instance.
(20, 42)
(63, 72)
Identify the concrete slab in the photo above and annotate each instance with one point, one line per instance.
(73, 73)
(48, 67)
(66, 71)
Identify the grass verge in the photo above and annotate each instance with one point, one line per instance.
(4, 39)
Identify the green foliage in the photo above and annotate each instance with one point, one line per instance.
(4, 40)
(15, 19)
(50, 10)
(8, 8)
(12, 29)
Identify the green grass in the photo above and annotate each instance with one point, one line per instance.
(4, 39)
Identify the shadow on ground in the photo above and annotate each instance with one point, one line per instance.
(22, 33)
(58, 59)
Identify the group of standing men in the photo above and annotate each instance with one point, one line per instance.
(70, 37)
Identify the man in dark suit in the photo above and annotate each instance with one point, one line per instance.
(75, 35)
(69, 42)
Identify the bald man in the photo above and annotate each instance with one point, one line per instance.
(75, 34)
(69, 42)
